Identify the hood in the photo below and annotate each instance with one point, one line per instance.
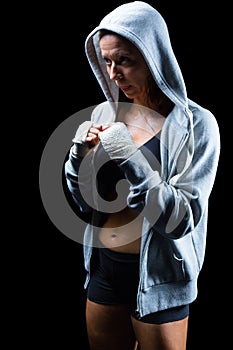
(151, 37)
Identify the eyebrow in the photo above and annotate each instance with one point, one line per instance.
(120, 54)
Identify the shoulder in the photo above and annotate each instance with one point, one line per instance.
(204, 120)
(202, 115)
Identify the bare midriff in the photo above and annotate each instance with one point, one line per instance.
(122, 231)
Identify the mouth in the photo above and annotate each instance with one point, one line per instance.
(125, 88)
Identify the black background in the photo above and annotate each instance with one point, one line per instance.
(65, 84)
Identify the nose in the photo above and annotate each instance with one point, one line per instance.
(114, 73)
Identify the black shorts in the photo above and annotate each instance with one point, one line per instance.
(115, 281)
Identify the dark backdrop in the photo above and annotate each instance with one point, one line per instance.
(65, 84)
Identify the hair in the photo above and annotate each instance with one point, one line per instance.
(155, 94)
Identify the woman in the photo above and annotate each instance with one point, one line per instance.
(141, 171)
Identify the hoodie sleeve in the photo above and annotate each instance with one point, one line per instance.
(78, 179)
(174, 205)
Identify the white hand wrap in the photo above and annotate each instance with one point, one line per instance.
(118, 142)
(80, 147)
(81, 133)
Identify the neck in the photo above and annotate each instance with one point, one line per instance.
(162, 106)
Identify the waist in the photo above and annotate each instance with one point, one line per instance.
(120, 256)
(122, 232)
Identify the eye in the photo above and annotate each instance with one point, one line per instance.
(123, 60)
(107, 61)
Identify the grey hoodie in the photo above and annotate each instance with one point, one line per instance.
(174, 201)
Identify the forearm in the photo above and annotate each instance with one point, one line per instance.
(167, 208)
(78, 178)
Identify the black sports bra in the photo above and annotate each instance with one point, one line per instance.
(109, 173)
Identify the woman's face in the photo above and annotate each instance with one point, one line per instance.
(126, 66)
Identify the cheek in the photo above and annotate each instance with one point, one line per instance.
(108, 70)
(141, 75)
(138, 77)
(134, 75)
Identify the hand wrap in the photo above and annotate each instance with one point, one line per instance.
(118, 142)
(80, 147)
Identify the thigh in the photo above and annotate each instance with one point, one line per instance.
(109, 327)
(165, 336)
